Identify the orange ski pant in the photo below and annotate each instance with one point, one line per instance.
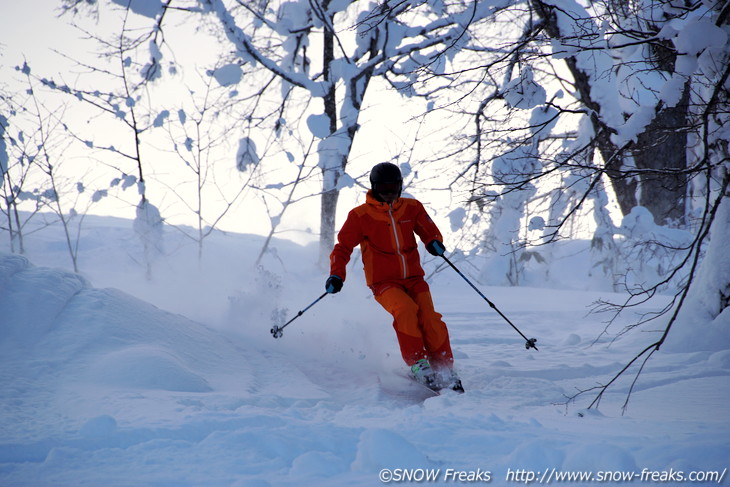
(421, 332)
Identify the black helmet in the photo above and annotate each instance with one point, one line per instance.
(385, 172)
(385, 177)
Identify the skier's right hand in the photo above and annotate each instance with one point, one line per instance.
(333, 284)
(435, 247)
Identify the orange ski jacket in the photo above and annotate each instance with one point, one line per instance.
(386, 237)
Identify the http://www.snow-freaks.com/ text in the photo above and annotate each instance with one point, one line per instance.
(547, 476)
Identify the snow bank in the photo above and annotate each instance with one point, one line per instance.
(103, 335)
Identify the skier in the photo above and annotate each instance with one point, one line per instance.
(384, 227)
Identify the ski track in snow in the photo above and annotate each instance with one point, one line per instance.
(98, 387)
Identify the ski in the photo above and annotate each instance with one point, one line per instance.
(400, 384)
(438, 389)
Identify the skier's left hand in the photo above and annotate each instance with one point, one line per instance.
(333, 284)
(436, 248)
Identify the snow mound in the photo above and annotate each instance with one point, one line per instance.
(380, 448)
(105, 337)
(31, 299)
(147, 368)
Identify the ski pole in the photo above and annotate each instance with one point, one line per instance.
(277, 330)
(529, 342)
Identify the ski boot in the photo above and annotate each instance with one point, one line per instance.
(423, 374)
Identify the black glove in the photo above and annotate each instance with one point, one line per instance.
(333, 284)
(436, 248)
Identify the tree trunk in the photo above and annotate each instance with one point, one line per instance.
(352, 103)
(327, 225)
(662, 148)
(330, 193)
(624, 187)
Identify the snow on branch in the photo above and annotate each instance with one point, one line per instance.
(244, 45)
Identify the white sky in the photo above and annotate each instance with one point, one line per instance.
(31, 29)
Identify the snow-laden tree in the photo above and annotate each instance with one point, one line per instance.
(626, 97)
(617, 99)
(111, 116)
(307, 62)
(136, 115)
(331, 50)
(637, 69)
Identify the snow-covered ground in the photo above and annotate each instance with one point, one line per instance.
(107, 379)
